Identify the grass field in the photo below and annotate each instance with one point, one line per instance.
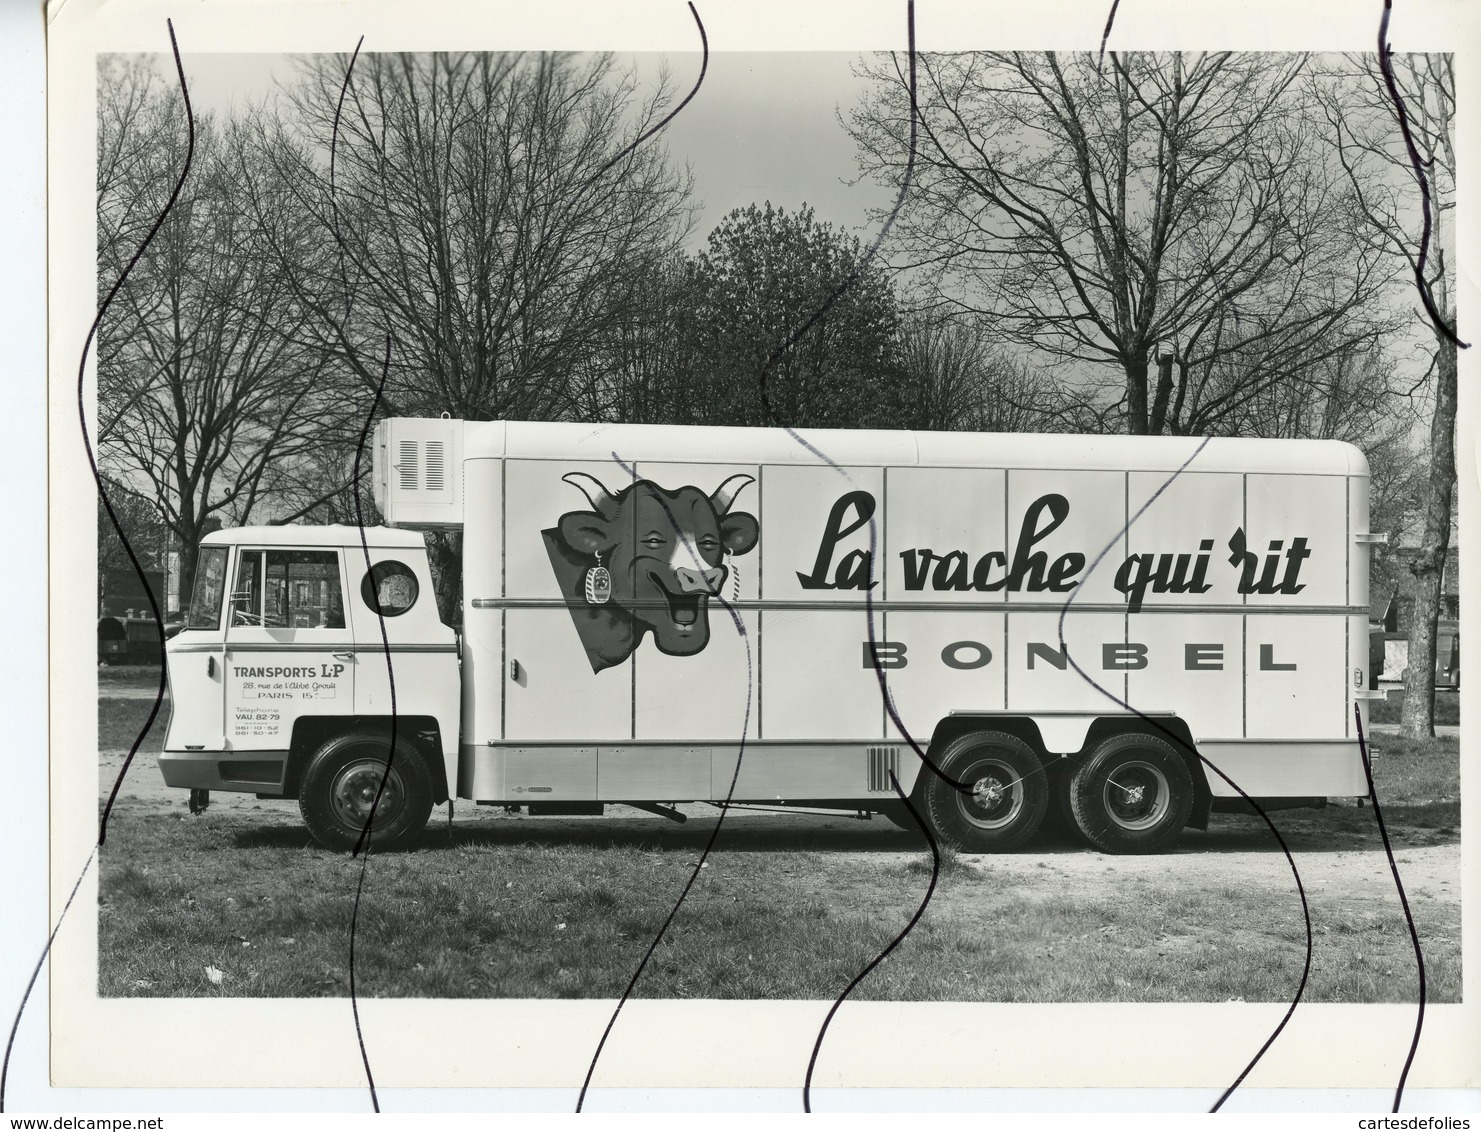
(1447, 709)
(788, 907)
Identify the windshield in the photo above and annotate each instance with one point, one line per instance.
(210, 581)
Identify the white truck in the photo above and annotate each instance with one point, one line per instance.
(658, 615)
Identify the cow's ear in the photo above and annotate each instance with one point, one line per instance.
(739, 532)
(586, 532)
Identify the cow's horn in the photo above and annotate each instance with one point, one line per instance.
(725, 494)
(602, 501)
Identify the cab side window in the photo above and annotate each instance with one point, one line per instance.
(288, 589)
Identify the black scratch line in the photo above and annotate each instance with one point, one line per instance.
(1106, 36)
(869, 613)
(744, 634)
(886, 696)
(1182, 743)
(1385, 63)
(1393, 867)
(363, 841)
(36, 973)
(344, 276)
(87, 444)
(864, 260)
(894, 943)
(771, 362)
(128, 549)
(704, 66)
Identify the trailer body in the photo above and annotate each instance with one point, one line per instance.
(663, 614)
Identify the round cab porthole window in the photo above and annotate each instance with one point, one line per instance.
(394, 584)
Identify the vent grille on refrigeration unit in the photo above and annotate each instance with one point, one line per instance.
(883, 762)
(433, 464)
(406, 464)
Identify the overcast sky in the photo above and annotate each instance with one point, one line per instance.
(763, 127)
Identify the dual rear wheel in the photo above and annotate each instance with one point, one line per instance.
(1132, 794)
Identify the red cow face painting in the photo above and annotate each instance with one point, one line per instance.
(646, 560)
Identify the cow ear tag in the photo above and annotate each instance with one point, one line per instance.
(598, 584)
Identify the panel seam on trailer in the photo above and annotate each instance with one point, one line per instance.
(1171, 466)
(760, 592)
(584, 744)
(1007, 554)
(1125, 553)
(503, 594)
(962, 607)
(882, 564)
(1347, 683)
(325, 646)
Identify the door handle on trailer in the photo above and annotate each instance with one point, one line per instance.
(210, 666)
(344, 656)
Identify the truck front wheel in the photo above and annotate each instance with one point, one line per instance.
(348, 776)
(1133, 795)
(1001, 796)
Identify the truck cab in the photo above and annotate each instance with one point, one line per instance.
(299, 647)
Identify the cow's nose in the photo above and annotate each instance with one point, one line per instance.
(706, 581)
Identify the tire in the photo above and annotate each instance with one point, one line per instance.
(1132, 795)
(342, 780)
(1007, 799)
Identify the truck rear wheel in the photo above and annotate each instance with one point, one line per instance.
(1132, 795)
(341, 784)
(1002, 797)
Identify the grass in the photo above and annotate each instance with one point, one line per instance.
(1417, 774)
(501, 906)
(1447, 708)
(496, 914)
(119, 721)
(131, 675)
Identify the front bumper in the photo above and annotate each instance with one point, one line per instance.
(248, 772)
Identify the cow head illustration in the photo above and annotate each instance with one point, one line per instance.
(664, 552)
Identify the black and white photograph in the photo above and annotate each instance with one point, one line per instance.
(695, 545)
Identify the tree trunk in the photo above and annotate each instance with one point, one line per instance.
(1164, 393)
(189, 556)
(1136, 394)
(1428, 567)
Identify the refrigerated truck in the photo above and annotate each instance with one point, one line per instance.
(1131, 631)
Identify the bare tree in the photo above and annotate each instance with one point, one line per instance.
(486, 211)
(1160, 215)
(643, 369)
(1373, 132)
(141, 526)
(201, 383)
(965, 382)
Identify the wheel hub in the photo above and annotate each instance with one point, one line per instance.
(995, 798)
(355, 789)
(1137, 795)
(987, 791)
